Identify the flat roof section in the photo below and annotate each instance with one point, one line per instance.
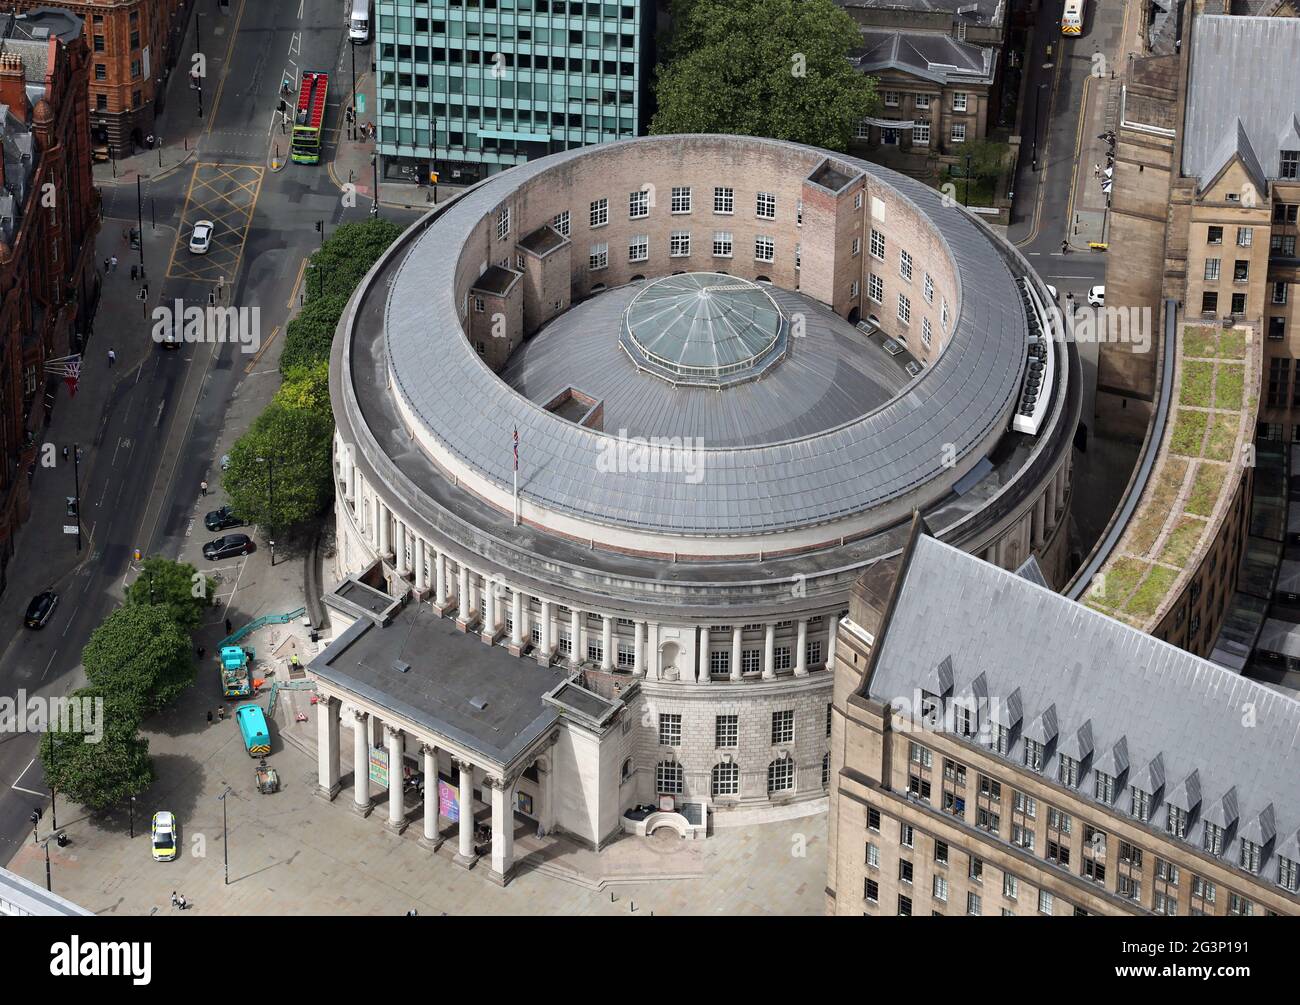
(542, 241)
(477, 695)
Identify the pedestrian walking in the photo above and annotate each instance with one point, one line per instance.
(209, 717)
(106, 261)
(221, 713)
(181, 902)
(1096, 170)
(203, 487)
(202, 651)
(134, 270)
(112, 259)
(175, 899)
(1065, 247)
(229, 627)
(65, 453)
(112, 357)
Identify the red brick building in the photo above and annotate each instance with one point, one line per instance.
(133, 45)
(49, 216)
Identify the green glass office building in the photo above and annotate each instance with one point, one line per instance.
(476, 86)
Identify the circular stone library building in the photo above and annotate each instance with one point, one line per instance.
(640, 414)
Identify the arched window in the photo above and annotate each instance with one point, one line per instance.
(627, 770)
(668, 778)
(826, 770)
(780, 775)
(726, 780)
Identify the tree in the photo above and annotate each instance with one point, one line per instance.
(177, 586)
(308, 337)
(987, 157)
(307, 388)
(775, 68)
(103, 771)
(294, 481)
(140, 655)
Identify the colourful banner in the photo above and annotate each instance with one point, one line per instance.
(448, 802)
(379, 766)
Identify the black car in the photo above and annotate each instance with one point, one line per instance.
(228, 547)
(40, 609)
(220, 519)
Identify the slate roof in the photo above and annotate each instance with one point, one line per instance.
(1182, 725)
(955, 405)
(986, 12)
(1243, 95)
(929, 55)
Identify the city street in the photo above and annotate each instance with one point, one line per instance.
(154, 423)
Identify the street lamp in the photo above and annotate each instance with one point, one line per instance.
(1034, 146)
(374, 165)
(225, 837)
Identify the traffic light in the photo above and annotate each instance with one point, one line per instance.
(318, 225)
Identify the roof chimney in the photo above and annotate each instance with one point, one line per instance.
(13, 86)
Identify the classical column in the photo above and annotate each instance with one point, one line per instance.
(503, 830)
(360, 763)
(575, 635)
(349, 473)
(653, 660)
(1038, 522)
(399, 547)
(638, 650)
(440, 571)
(547, 626)
(421, 566)
(385, 528)
(769, 652)
(703, 676)
(431, 838)
(327, 745)
(801, 650)
(736, 652)
(517, 618)
(547, 779)
(465, 855)
(489, 626)
(830, 643)
(462, 596)
(396, 782)
(607, 644)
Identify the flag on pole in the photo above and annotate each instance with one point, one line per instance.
(516, 448)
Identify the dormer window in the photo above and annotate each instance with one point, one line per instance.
(1069, 772)
(1141, 804)
(1176, 822)
(964, 720)
(1001, 740)
(929, 709)
(1214, 839)
(1288, 875)
(1033, 755)
(1250, 856)
(1289, 164)
(1105, 788)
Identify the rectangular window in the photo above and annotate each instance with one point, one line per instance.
(599, 215)
(871, 891)
(941, 852)
(720, 663)
(906, 835)
(726, 731)
(765, 206)
(1166, 871)
(724, 200)
(598, 258)
(873, 855)
(764, 249)
(958, 132)
(857, 246)
(681, 199)
(905, 871)
(940, 888)
(1238, 304)
(1105, 788)
(877, 245)
(973, 904)
(1245, 237)
(1027, 805)
(929, 289)
(722, 244)
(670, 729)
(783, 726)
(638, 205)
(751, 662)
(1289, 164)
(904, 309)
(679, 244)
(561, 223)
(905, 265)
(503, 223)
(923, 101)
(959, 101)
(1033, 755)
(904, 906)
(1044, 902)
(876, 288)
(1209, 302)
(921, 134)
(1010, 886)
(1279, 293)
(1214, 235)
(1241, 271)
(638, 248)
(798, 257)
(873, 818)
(976, 870)
(891, 99)
(1211, 269)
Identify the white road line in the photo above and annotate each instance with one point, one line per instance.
(69, 624)
(30, 792)
(47, 665)
(242, 566)
(161, 405)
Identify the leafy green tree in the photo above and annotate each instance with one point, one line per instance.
(308, 337)
(293, 482)
(99, 772)
(775, 68)
(177, 586)
(140, 655)
(987, 157)
(348, 254)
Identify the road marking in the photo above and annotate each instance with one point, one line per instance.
(235, 590)
(225, 69)
(161, 405)
(69, 624)
(47, 665)
(293, 292)
(30, 792)
(253, 362)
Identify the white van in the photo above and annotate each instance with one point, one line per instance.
(359, 23)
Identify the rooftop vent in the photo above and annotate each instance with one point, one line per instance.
(401, 666)
(478, 703)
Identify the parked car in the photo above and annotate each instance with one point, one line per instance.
(1097, 296)
(220, 519)
(228, 547)
(163, 832)
(41, 608)
(201, 237)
